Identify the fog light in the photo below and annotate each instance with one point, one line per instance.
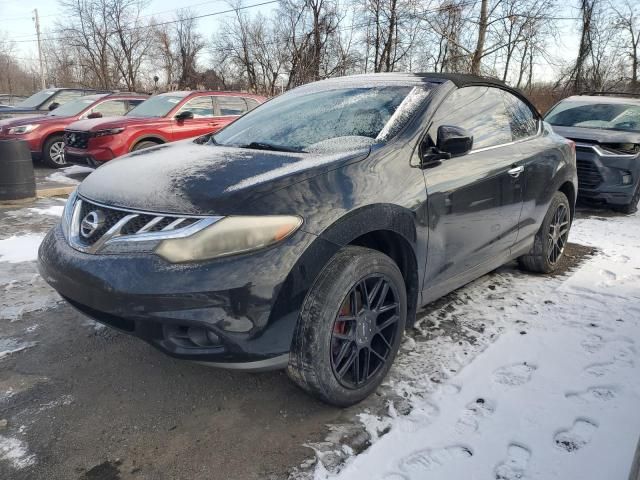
(626, 179)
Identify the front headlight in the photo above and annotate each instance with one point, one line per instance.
(229, 236)
(107, 132)
(22, 129)
(67, 213)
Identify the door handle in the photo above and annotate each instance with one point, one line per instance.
(515, 171)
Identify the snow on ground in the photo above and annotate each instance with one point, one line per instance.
(54, 210)
(15, 451)
(62, 175)
(552, 394)
(20, 248)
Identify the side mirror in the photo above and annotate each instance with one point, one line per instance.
(454, 140)
(94, 115)
(451, 142)
(186, 115)
(53, 106)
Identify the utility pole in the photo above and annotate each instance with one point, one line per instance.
(42, 73)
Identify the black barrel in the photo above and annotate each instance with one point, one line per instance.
(17, 180)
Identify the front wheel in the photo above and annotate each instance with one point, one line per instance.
(350, 327)
(53, 152)
(551, 239)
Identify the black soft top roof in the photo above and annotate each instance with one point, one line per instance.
(462, 79)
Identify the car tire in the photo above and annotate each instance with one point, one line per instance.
(337, 359)
(144, 144)
(631, 207)
(53, 152)
(551, 239)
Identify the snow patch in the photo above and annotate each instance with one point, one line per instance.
(15, 452)
(54, 210)
(22, 248)
(10, 345)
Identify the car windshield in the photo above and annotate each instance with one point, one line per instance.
(72, 108)
(36, 99)
(336, 119)
(157, 106)
(605, 116)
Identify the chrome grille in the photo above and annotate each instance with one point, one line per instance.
(121, 224)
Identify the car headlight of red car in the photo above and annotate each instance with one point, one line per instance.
(107, 132)
(22, 129)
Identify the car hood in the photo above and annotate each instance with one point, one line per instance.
(21, 113)
(94, 124)
(39, 119)
(189, 178)
(596, 135)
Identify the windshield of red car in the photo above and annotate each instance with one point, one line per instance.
(157, 106)
(74, 107)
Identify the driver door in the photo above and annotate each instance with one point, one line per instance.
(203, 120)
(474, 200)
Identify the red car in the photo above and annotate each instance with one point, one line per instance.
(45, 133)
(162, 118)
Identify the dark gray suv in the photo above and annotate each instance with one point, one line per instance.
(606, 129)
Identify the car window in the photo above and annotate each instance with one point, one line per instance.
(480, 110)
(157, 105)
(111, 108)
(63, 97)
(201, 107)
(251, 103)
(589, 114)
(231, 105)
(523, 122)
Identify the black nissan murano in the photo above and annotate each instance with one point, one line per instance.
(306, 234)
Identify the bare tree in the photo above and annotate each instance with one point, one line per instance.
(628, 23)
(188, 43)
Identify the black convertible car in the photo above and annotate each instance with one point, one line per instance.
(306, 234)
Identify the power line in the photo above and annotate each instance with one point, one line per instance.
(195, 17)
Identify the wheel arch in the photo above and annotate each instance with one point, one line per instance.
(158, 139)
(46, 138)
(389, 229)
(569, 190)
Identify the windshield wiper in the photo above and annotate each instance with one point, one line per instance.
(270, 146)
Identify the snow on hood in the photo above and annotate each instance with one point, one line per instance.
(188, 178)
(93, 124)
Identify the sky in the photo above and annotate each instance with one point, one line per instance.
(16, 23)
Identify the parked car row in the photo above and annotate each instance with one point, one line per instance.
(91, 129)
(306, 234)
(45, 133)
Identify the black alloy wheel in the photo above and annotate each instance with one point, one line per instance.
(350, 327)
(551, 239)
(364, 331)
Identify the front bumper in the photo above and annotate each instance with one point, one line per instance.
(218, 311)
(601, 176)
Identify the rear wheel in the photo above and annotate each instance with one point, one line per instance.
(631, 207)
(551, 239)
(350, 327)
(144, 144)
(53, 152)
